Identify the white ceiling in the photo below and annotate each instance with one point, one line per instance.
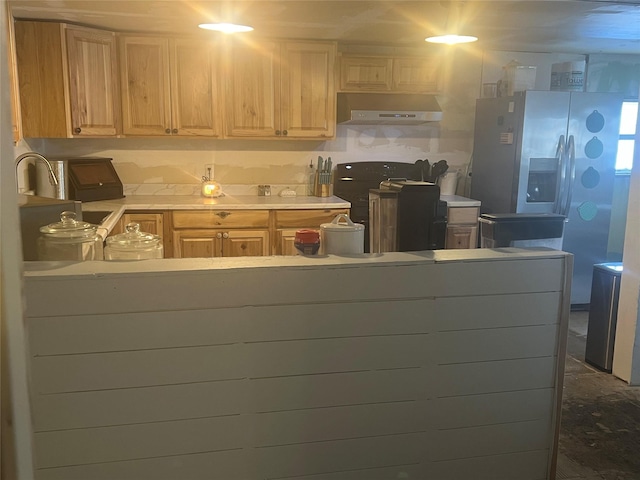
(576, 26)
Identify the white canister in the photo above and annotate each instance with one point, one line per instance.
(448, 183)
(342, 236)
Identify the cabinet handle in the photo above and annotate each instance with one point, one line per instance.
(77, 130)
(225, 235)
(218, 235)
(167, 131)
(284, 132)
(223, 214)
(175, 130)
(277, 132)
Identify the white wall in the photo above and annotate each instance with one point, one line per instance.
(626, 355)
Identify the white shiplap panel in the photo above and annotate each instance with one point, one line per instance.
(328, 390)
(300, 357)
(492, 311)
(139, 405)
(337, 423)
(132, 331)
(403, 472)
(74, 373)
(492, 408)
(466, 346)
(130, 442)
(212, 289)
(491, 440)
(225, 465)
(346, 319)
(499, 376)
(511, 466)
(138, 331)
(336, 456)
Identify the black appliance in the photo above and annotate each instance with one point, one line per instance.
(603, 315)
(419, 220)
(352, 182)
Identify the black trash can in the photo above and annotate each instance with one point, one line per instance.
(603, 315)
(521, 230)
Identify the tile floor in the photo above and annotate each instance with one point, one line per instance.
(600, 427)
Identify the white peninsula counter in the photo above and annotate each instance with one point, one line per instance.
(440, 365)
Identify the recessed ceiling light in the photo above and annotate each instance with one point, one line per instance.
(226, 27)
(451, 39)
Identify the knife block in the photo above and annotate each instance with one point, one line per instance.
(323, 189)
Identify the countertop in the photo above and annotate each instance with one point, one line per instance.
(227, 202)
(193, 202)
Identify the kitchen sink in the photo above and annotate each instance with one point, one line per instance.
(97, 217)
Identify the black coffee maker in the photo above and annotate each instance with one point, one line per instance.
(406, 215)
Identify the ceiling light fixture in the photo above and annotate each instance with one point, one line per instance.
(226, 27)
(452, 26)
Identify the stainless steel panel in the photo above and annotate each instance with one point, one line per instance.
(589, 214)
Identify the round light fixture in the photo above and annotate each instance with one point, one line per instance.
(451, 39)
(226, 27)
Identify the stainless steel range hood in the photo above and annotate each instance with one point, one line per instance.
(387, 109)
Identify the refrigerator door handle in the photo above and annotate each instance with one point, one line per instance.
(561, 186)
(571, 151)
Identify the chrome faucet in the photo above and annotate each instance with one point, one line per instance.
(37, 156)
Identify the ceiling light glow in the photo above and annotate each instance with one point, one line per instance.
(226, 27)
(451, 39)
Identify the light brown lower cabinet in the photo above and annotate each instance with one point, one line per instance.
(287, 222)
(150, 222)
(220, 233)
(197, 243)
(462, 227)
(228, 233)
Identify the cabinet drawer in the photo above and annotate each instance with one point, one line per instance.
(220, 218)
(462, 215)
(306, 218)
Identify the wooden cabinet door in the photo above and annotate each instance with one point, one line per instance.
(13, 83)
(365, 74)
(415, 75)
(145, 84)
(194, 89)
(285, 244)
(93, 91)
(199, 243)
(308, 93)
(252, 91)
(461, 237)
(245, 243)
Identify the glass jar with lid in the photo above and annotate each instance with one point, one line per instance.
(69, 239)
(133, 245)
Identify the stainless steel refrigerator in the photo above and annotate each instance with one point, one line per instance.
(551, 152)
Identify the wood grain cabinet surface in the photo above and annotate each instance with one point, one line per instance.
(150, 222)
(67, 77)
(220, 233)
(365, 73)
(169, 86)
(462, 227)
(288, 222)
(281, 90)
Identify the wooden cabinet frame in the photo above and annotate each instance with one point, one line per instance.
(67, 77)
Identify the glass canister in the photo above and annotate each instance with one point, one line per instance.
(69, 239)
(133, 245)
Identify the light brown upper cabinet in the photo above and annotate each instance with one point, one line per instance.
(281, 90)
(67, 78)
(169, 86)
(363, 73)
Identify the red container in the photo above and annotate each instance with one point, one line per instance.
(307, 241)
